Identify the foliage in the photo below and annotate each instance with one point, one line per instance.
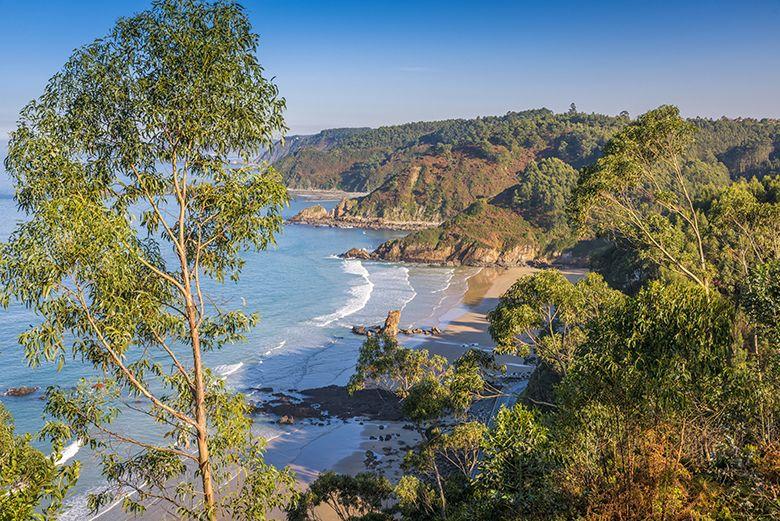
(639, 191)
(352, 498)
(385, 364)
(32, 486)
(546, 313)
(124, 168)
(517, 463)
(745, 232)
(760, 298)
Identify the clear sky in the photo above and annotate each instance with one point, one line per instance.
(367, 63)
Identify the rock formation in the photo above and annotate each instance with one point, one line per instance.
(20, 391)
(390, 328)
(311, 215)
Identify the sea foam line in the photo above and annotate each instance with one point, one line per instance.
(228, 369)
(409, 285)
(68, 453)
(278, 346)
(359, 295)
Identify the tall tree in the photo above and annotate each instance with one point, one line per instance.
(639, 190)
(126, 167)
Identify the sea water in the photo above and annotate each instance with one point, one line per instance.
(307, 299)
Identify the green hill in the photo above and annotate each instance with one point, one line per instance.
(474, 176)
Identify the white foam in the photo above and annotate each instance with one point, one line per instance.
(278, 346)
(413, 293)
(227, 370)
(359, 295)
(68, 453)
(447, 284)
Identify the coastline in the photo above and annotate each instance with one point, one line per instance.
(351, 444)
(465, 324)
(323, 194)
(463, 327)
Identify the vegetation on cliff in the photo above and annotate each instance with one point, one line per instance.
(523, 162)
(662, 404)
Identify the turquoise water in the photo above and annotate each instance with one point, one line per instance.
(307, 299)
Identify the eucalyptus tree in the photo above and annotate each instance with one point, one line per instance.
(639, 190)
(546, 313)
(135, 170)
(32, 485)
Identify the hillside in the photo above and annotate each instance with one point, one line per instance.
(525, 222)
(429, 174)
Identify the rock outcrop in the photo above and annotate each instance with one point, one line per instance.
(455, 252)
(357, 253)
(340, 218)
(390, 328)
(311, 215)
(20, 391)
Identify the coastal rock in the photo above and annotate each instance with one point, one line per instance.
(391, 323)
(356, 253)
(359, 330)
(341, 218)
(342, 209)
(286, 420)
(311, 214)
(456, 252)
(20, 391)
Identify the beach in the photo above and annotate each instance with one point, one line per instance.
(315, 447)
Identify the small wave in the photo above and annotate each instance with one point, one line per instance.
(408, 282)
(68, 453)
(447, 284)
(278, 346)
(359, 295)
(227, 370)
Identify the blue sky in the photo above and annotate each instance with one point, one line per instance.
(345, 63)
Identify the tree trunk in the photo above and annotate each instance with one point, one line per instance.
(200, 415)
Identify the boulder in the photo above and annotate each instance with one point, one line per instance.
(20, 391)
(359, 330)
(391, 323)
(311, 214)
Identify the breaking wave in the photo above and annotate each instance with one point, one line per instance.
(358, 298)
(227, 370)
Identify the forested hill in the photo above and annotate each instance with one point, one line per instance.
(364, 159)
(494, 188)
(748, 147)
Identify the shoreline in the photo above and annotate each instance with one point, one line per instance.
(464, 324)
(327, 195)
(358, 441)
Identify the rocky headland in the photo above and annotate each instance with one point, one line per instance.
(318, 215)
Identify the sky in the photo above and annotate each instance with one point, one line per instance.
(371, 63)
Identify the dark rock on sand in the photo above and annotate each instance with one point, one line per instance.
(335, 401)
(375, 404)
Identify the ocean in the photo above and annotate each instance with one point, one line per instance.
(307, 299)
